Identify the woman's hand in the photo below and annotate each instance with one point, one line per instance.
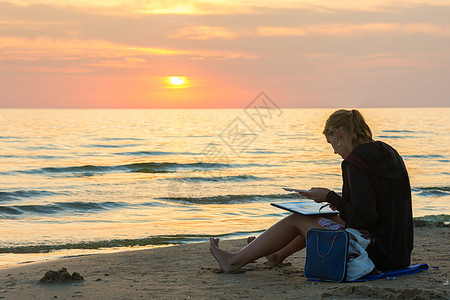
(316, 194)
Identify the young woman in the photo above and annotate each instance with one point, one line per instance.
(376, 198)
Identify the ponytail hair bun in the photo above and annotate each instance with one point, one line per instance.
(353, 122)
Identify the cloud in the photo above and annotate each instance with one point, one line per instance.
(204, 33)
(382, 62)
(143, 7)
(224, 7)
(82, 56)
(355, 30)
(334, 29)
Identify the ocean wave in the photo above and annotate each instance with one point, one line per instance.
(11, 137)
(235, 178)
(145, 167)
(106, 146)
(14, 195)
(433, 221)
(147, 170)
(426, 221)
(424, 156)
(256, 151)
(149, 153)
(232, 199)
(120, 139)
(396, 136)
(149, 241)
(34, 156)
(398, 131)
(59, 207)
(46, 147)
(432, 191)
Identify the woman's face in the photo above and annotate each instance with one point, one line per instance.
(340, 143)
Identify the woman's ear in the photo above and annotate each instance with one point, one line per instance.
(337, 133)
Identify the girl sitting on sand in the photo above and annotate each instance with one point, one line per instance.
(376, 198)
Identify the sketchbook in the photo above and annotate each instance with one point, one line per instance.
(306, 207)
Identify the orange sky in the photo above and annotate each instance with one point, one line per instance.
(119, 53)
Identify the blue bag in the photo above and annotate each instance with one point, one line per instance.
(326, 254)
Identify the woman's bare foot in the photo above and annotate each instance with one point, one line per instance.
(272, 259)
(223, 257)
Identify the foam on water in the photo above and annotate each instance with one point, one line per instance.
(231, 199)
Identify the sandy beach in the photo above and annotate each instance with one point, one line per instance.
(189, 271)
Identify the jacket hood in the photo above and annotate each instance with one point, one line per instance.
(378, 158)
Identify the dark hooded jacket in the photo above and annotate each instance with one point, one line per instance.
(376, 196)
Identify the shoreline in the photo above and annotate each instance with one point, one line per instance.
(26, 255)
(46, 253)
(190, 271)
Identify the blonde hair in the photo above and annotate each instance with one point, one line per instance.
(353, 122)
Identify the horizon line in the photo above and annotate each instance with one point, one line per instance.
(168, 108)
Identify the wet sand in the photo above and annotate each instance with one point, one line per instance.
(190, 271)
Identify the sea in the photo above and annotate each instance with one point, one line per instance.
(80, 182)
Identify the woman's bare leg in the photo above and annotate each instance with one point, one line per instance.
(274, 239)
(297, 244)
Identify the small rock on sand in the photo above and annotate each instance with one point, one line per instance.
(61, 276)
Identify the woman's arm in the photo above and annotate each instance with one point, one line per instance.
(360, 209)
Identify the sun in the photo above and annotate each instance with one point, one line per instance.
(177, 80)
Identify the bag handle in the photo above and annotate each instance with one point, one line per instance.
(331, 248)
